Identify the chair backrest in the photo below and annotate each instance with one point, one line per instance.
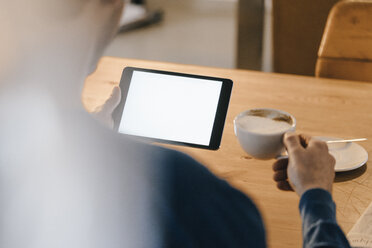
(346, 48)
(298, 27)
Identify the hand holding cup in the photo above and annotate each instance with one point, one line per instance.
(309, 165)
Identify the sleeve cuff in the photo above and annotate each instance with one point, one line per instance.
(319, 204)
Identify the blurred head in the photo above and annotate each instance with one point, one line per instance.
(35, 26)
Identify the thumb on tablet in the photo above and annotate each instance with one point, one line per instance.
(113, 101)
(104, 113)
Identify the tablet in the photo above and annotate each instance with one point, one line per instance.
(172, 107)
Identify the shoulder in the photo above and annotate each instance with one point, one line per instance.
(201, 208)
(194, 207)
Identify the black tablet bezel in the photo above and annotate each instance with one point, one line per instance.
(220, 117)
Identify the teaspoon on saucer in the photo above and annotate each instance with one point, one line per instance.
(345, 140)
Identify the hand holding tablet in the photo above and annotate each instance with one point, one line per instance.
(173, 107)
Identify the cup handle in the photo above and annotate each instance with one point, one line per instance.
(283, 155)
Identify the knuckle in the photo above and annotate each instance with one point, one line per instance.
(291, 138)
(280, 176)
(275, 166)
(275, 177)
(281, 185)
(332, 160)
(317, 143)
(320, 144)
(296, 150)
(280, 164)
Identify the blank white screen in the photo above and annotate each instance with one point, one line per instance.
(170, 107)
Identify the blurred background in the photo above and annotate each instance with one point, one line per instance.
(200, 32)
(270, 35)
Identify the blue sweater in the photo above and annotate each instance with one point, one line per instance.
(197, 209)
(319, 225)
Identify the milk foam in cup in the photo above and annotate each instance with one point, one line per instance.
(260, 131)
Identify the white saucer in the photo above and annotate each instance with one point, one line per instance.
(349, 156)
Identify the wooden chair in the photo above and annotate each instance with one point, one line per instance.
(346, 48)
(298, 27)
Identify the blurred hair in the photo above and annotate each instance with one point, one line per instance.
(23, 22)
(73, 8)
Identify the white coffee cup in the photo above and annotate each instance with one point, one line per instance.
(260, 131)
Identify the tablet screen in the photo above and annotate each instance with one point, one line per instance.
(170, 107)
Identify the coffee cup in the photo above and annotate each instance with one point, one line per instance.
(260, 131)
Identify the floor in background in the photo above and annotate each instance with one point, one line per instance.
(200, 32)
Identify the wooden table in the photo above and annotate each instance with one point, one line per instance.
(322, 107)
